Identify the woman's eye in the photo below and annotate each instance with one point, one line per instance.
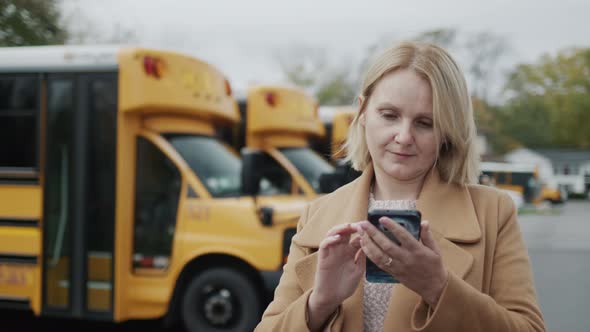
(389, 116)
(425, 124)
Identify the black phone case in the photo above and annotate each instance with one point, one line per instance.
(409, 219)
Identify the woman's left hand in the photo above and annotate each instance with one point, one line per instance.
(416, 265)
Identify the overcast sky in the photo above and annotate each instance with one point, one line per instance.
(243, 37)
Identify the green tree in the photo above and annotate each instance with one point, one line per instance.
(30, 22)
(338, 89)
(308, 67)
(550, 101)
(444, 37)
(483, 51)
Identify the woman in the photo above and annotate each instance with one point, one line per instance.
(414, 139)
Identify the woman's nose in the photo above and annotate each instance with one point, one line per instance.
(404, 135)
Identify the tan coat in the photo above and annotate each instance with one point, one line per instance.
(490, 285)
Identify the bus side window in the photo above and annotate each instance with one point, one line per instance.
(158, 184)
(502, 178)
(19, 105)
(191, 193)
(275, 179)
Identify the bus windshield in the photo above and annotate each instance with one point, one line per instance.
(309, 163)
(215, 165)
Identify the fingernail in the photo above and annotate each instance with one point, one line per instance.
(358, 228)
(364, 225)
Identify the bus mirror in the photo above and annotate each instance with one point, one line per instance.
(331, 181)
(342, 175)
(251, 176)
(266, 216)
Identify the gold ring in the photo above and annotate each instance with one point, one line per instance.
(389, 261)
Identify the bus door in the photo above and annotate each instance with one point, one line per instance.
(79, 194)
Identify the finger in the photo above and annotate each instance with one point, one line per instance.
(427, 238)
(359, 257)
(374, 252)
(356, 243)
(330, 240)
(406, 240)
(382, 241)
(357, 226)
(341, 229)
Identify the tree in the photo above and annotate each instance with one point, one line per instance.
(302, 64)
(338, 89)
(308, 67)
(83, 29)
(483, 51)
(550, 100)
(445, 37)
(30, 22)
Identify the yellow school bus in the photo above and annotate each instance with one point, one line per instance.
(336, 120)
(275, 136)
(119, 202)
(521, 178)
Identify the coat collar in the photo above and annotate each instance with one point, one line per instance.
(448, 208)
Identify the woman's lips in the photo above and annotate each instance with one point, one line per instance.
(402, 154)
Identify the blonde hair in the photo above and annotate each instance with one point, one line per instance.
(457, 159)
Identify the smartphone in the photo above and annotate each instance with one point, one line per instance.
(409, 219)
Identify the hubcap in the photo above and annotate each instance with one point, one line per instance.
(218, 306)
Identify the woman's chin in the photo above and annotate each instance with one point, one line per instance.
(403, 175)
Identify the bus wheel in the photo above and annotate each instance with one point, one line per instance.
(220, 299)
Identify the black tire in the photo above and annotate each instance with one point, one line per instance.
(220, 299)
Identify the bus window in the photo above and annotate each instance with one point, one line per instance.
(531, 186)
(501, 178)
(219, 172)
(100, 200)
(100, 189)
(276, 179)
(157, 193)
(309, 163)
(58, 210)
(18, 120)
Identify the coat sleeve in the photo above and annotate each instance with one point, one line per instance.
(288, 310)
(511, 304)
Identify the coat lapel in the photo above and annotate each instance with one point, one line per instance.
(347, 205)
(447, 207)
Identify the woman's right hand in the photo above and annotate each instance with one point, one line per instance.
(341, 264)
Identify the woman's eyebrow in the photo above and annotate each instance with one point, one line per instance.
(424, 115)
(387, 105)
(390, 106)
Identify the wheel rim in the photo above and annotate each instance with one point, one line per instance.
(218, 306)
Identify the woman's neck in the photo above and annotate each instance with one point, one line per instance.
(387, 188)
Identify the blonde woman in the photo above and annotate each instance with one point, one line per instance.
(413, 138)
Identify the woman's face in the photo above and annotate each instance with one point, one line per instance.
(399, 126)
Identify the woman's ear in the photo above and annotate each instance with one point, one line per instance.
(360, 100)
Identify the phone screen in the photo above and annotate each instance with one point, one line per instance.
(409, 219)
